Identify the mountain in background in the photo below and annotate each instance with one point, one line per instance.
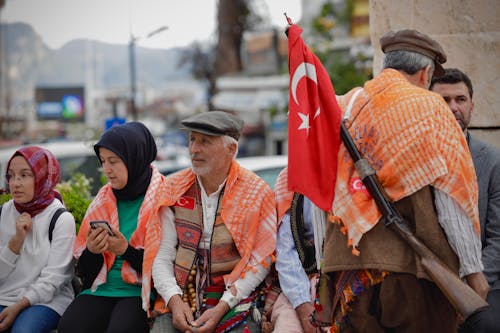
(104, 66)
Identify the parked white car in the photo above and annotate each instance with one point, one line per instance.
(268, 167)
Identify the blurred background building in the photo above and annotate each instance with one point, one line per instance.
(469, 31)
(79, 90)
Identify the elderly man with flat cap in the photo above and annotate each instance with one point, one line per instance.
(421, 158)
(218, 243)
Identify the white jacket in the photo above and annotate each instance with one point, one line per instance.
(43, 270)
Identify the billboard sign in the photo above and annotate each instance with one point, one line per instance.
(60, 103)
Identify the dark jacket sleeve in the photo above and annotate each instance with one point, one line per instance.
(134, 257)
(88, 266)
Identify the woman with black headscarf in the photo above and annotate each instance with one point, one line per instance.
(116, 285)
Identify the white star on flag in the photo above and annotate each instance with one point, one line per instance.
(305, 122)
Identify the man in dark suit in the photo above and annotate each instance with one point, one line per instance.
(456, 89)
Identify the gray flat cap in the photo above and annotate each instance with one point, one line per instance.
(412, 40)
(214, 123)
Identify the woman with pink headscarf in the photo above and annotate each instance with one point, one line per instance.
(35, 272)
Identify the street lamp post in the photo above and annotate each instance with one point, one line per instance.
(131, 50)
(132, 67)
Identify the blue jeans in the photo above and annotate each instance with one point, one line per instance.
(34, 319)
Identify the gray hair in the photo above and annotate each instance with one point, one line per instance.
(408, 61)
(229, 140)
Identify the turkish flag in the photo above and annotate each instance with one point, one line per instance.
(313, 125)
(185, 202)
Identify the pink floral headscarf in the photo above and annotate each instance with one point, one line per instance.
(47, 173)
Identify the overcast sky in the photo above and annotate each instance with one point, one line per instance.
(113, 21)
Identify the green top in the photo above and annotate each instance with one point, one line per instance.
(128, 212)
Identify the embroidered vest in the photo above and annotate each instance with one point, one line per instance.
(223, 254)
(305, 247)
(220, 259)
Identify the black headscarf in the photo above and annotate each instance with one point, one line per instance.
(135, 145)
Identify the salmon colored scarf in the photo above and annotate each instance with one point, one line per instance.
(248, 209)
(411, 138)
(148, 231)
(284, 196)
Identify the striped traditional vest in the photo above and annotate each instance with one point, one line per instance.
(223, 254)
(305, 247)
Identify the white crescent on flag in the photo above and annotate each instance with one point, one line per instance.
(305, 69)
(182, 201)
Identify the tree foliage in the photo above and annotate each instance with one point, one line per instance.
(76, 196)
(346, 71)
(75, 193)
(234, 17)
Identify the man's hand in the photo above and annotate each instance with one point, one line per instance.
(304, 312)
(478, 282)
(10, 313)
(210, 318)
(181, 314)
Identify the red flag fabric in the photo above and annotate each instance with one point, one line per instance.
(313, 125)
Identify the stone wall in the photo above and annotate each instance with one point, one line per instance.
(469, 31)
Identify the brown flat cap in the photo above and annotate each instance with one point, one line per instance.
(412, 40)
(214, 123)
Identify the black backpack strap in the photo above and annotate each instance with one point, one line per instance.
(52, 225)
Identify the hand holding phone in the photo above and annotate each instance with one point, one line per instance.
(102, 224)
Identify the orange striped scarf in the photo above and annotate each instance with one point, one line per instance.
(146, 236)
(283, 195)
(411, 138)
(248, 209)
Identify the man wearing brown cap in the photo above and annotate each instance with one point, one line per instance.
(421, 158)
(218, 242)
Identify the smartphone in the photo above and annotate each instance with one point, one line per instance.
(102, 224)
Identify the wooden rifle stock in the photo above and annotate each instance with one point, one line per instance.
(463, 298)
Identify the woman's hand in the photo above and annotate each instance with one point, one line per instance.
(97, 240)
(117, 243)
(10, 313)
(24, 224)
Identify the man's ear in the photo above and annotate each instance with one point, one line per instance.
(425, 77)
(232, 148)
